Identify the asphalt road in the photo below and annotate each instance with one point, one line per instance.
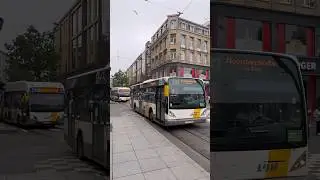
(193, 139)
(41, 154)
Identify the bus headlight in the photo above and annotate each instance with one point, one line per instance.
(204, 113)
(300, 162)
(171, 114)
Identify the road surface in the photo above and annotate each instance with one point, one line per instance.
(42, 154)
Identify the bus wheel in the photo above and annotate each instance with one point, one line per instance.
(151, 115)
(80, 152)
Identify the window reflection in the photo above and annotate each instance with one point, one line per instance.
(248, 35)
(296, 40)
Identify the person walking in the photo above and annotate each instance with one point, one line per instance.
(316, 115)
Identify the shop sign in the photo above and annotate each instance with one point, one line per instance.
(308, 66)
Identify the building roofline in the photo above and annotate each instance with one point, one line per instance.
(75, 4)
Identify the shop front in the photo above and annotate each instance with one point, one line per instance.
(310, 68)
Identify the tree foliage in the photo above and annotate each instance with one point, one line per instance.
(120, 79)
(32, 56)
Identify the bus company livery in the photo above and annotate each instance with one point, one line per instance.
(259, 110)
(33, 103)
(170, 101)
(121, 94)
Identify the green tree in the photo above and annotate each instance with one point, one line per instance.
(120, 79)
(32, 56)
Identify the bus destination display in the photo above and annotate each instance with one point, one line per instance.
(251, 64)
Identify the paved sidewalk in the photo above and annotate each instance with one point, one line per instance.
(5, 128)
(140, 152)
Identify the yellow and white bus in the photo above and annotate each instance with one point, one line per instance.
(120, 94)
(259, 127)
(33, 103)
(170, 101)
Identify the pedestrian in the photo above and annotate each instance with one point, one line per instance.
(316, 115)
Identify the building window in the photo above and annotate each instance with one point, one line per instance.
(182, 55)
(79, 19)
(93, 10)
(198, 44)
(248, 35)
(296, 40)
(191, 28)
(74, 24)
(172, 38)
(198, 58)
(190, 57)
(79, 50)
(205, 46)
(183, 40)
(97, 8)
(205, 59)
(188, 27)
(89, 11)
(182, 25)
(173, 54)
(74, 54)
(220, 32)
(173, 24)
(191, 42)
(309, 3)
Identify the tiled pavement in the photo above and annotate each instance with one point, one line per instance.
(314, 165)
(140, 152)
(67, 163)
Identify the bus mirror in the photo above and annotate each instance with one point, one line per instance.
(166, 90)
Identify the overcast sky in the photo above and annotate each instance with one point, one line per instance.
(133, 22)
(18, 14)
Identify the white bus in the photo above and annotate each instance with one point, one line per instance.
(121, 94)
(87, 125)
(170, 101)
(259, 127)
(33, 103)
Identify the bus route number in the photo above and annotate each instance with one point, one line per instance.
(267, 167)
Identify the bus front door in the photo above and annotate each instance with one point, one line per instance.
(71, 125)
(160, 107)
(99, 132)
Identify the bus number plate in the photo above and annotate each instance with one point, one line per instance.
(188, 122)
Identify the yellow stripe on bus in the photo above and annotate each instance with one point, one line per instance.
(279, 160)
(196, 113)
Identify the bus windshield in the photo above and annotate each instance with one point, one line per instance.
(258, 103)
(186, 94)
(124, 92)
(46, 102)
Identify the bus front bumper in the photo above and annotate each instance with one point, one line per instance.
(176, 122)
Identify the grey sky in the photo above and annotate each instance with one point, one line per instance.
(18, 14)
(130, 31)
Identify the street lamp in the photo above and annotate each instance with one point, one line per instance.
(1, 23)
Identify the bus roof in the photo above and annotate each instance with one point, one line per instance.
(89, 72)
(165, 79)
(25, 85)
